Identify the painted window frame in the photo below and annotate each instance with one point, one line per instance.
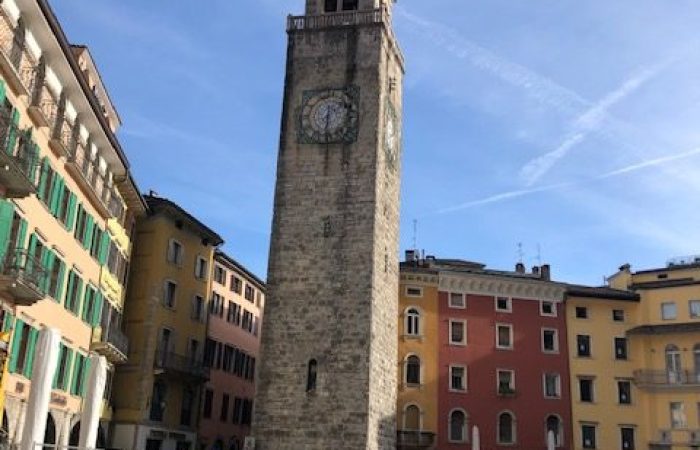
(465, 427)
(511, 332)
(557, 386)
(591, 426)
(663, 311)
(554, 313)
(463, 342)
(591, 379)
(410, 317)
(408, 288)
(451, 305)
(555, 350)
(172, 257)
(513, 425)
(511, 384)
(509, 304)
(465, 379)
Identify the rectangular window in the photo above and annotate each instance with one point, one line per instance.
(456, 300)
(548, 308)
(73, 293)
(64, 360)
(186, 406)
(627, 438)
(247, 321)
(169, 294)
(200, 268)
(550, 341)
(458, 332)
(624, 392)
(236, 284)
(506, 381)
(458, 378)
(330, 6)
(175, 252)
(249, 293)
(618, 315)
(237, 410)
(583, 346)
(621, 348)
(581, 312)
(668, 311)
(504, 336)
(224, 408)
(504, 304)
(694, 308)
(350, 5)
(208, 403)
(585, 387)
(198, 308)
(552, 385)
(678, 418)
(412, 291)
(220, 275)
(588, 435)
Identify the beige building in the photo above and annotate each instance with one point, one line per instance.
(65, 217)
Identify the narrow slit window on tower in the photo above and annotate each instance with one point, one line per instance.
(330, 6)
(311, 376)
(350, 5)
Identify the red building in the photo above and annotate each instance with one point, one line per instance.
(503, 364)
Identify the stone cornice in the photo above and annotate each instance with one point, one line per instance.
(494, 285)
(417, 277)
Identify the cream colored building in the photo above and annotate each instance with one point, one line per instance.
(68, 203)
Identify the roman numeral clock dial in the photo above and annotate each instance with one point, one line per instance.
(329, 116)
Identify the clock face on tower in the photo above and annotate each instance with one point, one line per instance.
(329, 116)
(391, 136)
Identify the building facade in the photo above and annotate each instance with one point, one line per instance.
(608, 411)
(166, 320)
(417, 418)
(665, 347)
(328, 357)
(67, 208)
(231, 351)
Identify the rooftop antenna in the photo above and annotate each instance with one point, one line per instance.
(521, 253)
(415, 234)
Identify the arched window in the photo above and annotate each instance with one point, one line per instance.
(553, 424)
(673, 364)
(411, 418)
(413, 370)
(506, 428)
(413, 322)
(458, 426)
(311, 374)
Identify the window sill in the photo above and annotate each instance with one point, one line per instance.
(458, 344)
(412, 337)
(504, 348)
(458, 391)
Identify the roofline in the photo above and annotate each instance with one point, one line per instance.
(216, 239)
(99, 75)
(589, 292)
(669, 268)
(665, 284)
(70, 57)
(220, 254)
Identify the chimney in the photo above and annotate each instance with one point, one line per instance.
(535, 270)
(410, 255)
(546, 272)
(520, 268)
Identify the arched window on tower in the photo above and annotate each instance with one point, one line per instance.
(311, 375)
(413, 322)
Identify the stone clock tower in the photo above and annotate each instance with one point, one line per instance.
(327, 377)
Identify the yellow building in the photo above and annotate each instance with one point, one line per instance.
(665, 345)
(417, 408)
(160, 386)
(607, 406)
(67, 201)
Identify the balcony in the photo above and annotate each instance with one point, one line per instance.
(19, 160)
(43, 107)
(15, 60)
(22, 277)
(414, 439)
(93, 179)
(664, 379)
(180, 366)
(111, 343)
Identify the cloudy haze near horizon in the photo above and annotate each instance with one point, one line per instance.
(569, 127)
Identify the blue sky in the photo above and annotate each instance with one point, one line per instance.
(571, 127)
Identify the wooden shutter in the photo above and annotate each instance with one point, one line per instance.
(7, 214)
(70, 217)
(12, 135)
(87, 238)
(77, 364)
(86, 371)
(68, 303)
(60, 280)
(104, 248)
(61, 351)
(78, 283)
(16, 344)
(2, 92)
(43, 175)
(21, 234)
(98, 300)
(67, 376)
(31, 349)
(8, 321)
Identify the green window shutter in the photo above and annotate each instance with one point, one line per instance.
(16, 344)
(104, 248)
(87, 302)
(78, 295)
(12, 136)
(21, 234)
(8, 321)
(61, 279)
(57, 196)
(31, 348)
(77, 363)
(70, 220)
(2, 92)
(61, 351)
(97, 310)
(87, 238)
(48, 261)
(67, 377)
(86, 371)
(69, 290)
(43, 176)
(7, 214)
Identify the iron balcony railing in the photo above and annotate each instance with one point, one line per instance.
(89, 167)
(180, 364)
(15, 50)
(116, 338)
(21, 266)
(667, 378)
(17, 144)
(414, 439)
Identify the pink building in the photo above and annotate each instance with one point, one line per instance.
(231, 351)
